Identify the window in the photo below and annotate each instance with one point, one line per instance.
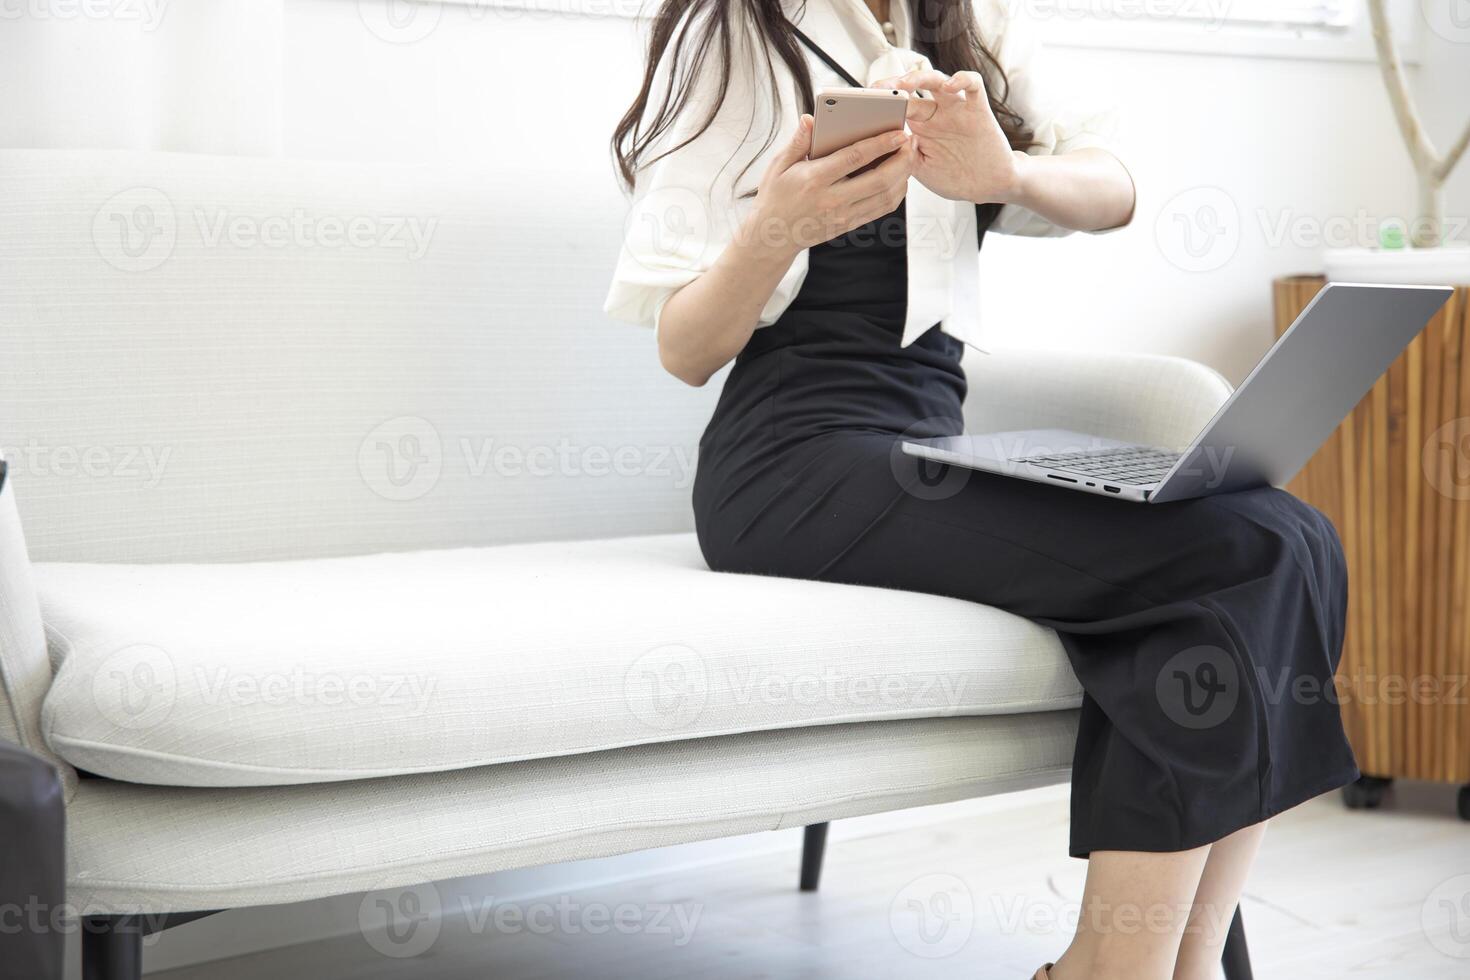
(1281, 13)
(1311, 29)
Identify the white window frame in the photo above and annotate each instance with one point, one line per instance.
(1335, 30)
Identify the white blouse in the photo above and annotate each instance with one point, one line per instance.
(687, 206)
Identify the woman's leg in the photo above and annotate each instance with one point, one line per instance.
(1214, 904)
(1134, 910)
(1205, 634)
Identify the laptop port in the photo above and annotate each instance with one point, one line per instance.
(1064, 479)
(1111, 489)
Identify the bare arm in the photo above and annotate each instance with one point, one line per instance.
(1085, 190)
(800, 203)
(705, 324)
(965, 156)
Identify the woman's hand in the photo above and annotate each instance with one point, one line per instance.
(804, 202)
(963, 154)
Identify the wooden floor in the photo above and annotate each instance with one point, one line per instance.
(1338, 895)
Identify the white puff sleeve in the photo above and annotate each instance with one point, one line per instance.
(687, 206)
(1060, 121)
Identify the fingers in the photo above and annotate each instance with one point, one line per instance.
(835, 166)
(970, 83)
(926, 79)
(895, 171)
(796, 148)
(876, 206)
(921, 110)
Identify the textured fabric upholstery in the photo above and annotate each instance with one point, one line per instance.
(25, 670)
(342, 668)
(209, 360)
(154, 848)
(1147, 398)
(265, 392)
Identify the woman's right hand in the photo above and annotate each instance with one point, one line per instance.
(804, 202)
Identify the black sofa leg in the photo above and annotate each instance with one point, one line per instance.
(813, 847)
(112, 948)
(1237, 958)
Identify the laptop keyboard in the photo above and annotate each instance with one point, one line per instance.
(1137, 465)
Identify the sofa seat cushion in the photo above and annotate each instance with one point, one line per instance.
(383, 665)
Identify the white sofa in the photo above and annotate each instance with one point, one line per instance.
(359, 549)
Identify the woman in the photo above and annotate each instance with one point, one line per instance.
(843, 295)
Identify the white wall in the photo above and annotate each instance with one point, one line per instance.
(1444, 93)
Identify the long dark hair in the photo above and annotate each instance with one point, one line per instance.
(944, 31)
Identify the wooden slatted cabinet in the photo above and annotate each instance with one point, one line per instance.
(1395, 480)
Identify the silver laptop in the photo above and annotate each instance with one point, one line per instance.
(1264, 433)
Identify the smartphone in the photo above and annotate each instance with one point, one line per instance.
(845, 116)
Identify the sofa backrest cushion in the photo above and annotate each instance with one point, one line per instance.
(211, 358)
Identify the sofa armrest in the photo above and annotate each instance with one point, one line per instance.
(25, 664)
(1145, 398)
(32, 864)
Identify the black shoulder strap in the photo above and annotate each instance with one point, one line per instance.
(827, 59)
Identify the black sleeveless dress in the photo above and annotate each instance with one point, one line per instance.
(1205, 633)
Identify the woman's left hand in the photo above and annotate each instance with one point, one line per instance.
(963, 154)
